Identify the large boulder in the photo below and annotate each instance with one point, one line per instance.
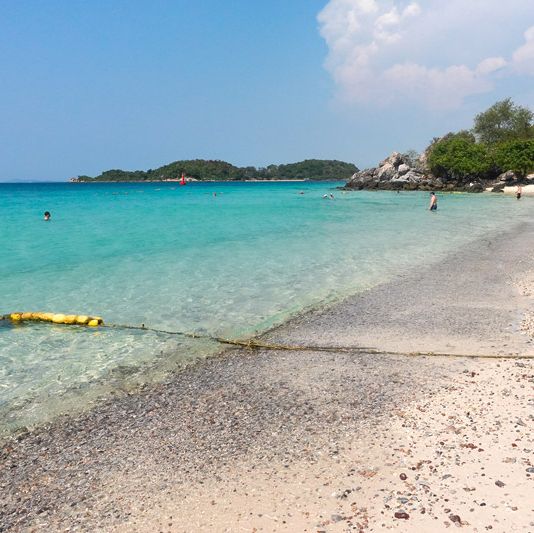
(403, 169)
(395, 159)
(508, 177)
(394, 172)
(386, 172)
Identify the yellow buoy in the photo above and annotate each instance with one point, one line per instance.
(70, 319)
(58, 318)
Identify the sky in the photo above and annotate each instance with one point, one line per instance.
(131, 84)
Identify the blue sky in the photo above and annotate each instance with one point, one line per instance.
(88, 86)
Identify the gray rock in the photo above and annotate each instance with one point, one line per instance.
(386, 172)
(508, 177)
(403, 169)
(395, 159)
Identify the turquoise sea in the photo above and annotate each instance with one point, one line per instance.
(183, 259)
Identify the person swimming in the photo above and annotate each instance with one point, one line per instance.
(433, 202)
(47, 215)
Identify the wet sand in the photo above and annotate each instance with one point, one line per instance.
(316, 441)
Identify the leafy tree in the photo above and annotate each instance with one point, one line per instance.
(504, 121)
(458, 156)
(517, 155)
(412, 157)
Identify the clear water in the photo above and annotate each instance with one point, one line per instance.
(180, 258)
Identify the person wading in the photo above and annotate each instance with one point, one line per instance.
(433, 202)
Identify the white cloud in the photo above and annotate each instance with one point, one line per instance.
(490, 65)
(524, 56)
(387, 25)
(442, 88)
(395, 50)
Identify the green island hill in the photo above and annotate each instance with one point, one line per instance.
(214, 170)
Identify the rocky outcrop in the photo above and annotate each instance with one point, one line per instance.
(510, 179)
(399, 172)
(395, 172)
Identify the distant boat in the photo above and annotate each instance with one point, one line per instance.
(182, 181)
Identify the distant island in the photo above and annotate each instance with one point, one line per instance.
(214, 170)
(497, 155)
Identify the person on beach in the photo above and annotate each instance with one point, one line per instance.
(518, 192)
(433, 202)
(47, 215)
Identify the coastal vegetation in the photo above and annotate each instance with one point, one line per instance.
(213, 170)
(502, 139)
(497, 152)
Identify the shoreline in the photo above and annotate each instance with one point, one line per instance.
(207, 181)
(281, 428)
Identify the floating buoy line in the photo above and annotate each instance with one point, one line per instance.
(252, 343)
(55, 318)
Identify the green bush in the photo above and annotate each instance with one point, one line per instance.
(504, 121)
(517, 155)
(458, 157)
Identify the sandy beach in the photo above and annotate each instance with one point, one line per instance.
(316, 441)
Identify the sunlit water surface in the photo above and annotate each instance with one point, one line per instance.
(183, 259)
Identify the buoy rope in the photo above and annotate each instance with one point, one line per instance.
(257, 344)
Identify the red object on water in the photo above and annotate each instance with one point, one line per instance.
(182, 181)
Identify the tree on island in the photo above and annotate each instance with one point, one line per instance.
(457, 156)
(502, 139)
(504, 121)
(517, 156)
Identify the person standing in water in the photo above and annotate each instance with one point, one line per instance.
(433, 202)
(518, 192)
(47, 215)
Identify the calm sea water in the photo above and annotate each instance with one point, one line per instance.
(180, 258)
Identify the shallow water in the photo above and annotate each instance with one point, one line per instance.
(182, 259)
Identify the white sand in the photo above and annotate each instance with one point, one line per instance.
(526, 190)
(452, 446)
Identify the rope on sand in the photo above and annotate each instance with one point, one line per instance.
(252, 343)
